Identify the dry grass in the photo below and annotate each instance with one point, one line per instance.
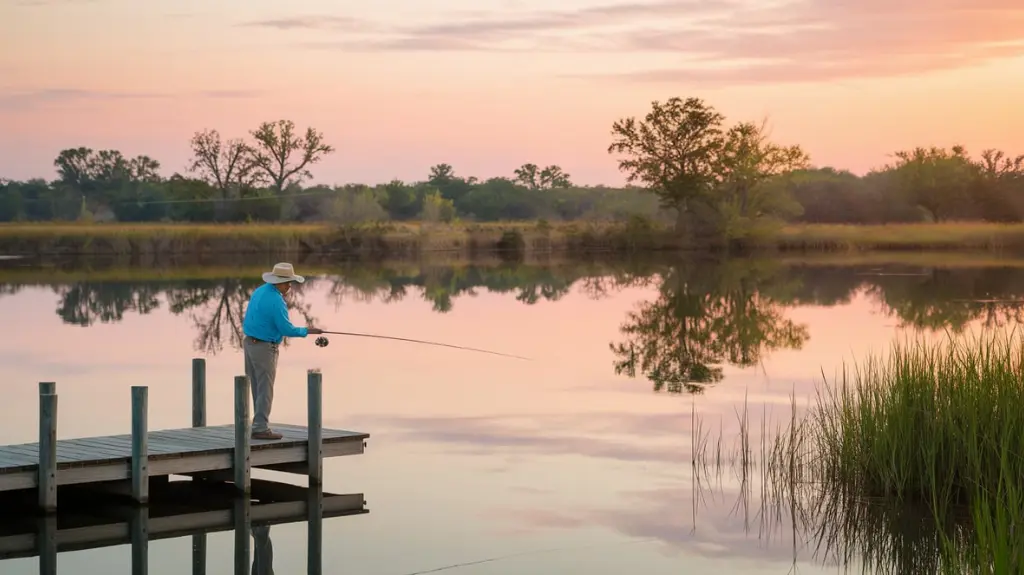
(379, 240)
(148, 230)
(943, 236)
(410, 238)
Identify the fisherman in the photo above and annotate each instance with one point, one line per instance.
(266, 323)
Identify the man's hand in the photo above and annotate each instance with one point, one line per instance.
(314, 331)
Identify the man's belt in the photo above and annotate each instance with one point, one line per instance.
(258, 340)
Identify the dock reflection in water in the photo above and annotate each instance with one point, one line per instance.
(180, 508)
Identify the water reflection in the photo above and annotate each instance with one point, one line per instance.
(828, 526)
(521, 444)
(705, 313)
(91, 519)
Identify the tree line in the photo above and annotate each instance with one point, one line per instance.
(684, 166)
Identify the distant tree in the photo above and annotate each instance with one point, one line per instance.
(441, 174)
(227, 166)
(526, 175)
(354, 205)
(534, 178)
(748, 160)
(996, 164)
(673, 151)
(554, 177)
(436, 208)
(937, 180)
(275, 145)
(999, 189)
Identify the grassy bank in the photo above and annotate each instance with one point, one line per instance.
(943, 236)
(393, 240)
(938, 425)
(917, 456)
(378, 241)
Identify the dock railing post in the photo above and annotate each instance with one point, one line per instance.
(140, 444)
(198, 392)
(242, 431)
(47, 473)
(314, 427)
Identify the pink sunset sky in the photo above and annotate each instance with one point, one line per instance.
(487, 85)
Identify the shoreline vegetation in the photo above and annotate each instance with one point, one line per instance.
(909, 459)
(515, 240)
(726, 186)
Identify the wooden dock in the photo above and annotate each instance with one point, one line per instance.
(179, 509)
(130, 462)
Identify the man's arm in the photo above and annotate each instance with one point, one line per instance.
(282, 323)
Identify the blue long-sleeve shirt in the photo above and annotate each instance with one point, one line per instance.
(266, 317)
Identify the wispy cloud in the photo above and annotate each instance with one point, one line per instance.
(35, 98)
(40, 3)
(239, 94)
(740, 41)
(310, 22)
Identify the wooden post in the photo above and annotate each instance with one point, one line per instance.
(314, 531)
(242, 434)
(47, 388)
(47, 479)
(199, 554)
(46, 545)
(198, 392)
(139, 522)
(242, 534)
(314, 427)
(140, 444)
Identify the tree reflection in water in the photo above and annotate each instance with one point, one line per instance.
(705, 315)
(701, 316)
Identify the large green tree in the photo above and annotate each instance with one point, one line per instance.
(674, 152)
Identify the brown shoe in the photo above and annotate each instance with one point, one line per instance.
(268, 434)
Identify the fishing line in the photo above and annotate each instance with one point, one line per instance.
(322, 342)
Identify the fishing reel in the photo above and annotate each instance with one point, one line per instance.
(321, 341)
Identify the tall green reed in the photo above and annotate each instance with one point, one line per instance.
(911, 460)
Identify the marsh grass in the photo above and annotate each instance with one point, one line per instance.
(975, 236)
(394, 238)
(912, 461)
(388, 239)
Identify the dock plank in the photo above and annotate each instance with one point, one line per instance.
(166, 443)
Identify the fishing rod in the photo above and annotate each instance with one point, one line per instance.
(322, 342)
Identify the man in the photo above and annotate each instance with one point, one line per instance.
(266, 323)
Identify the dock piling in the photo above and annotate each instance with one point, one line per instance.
(198, 392)
(242, 434)
(314, 426)
(47, 472)
(140, 444)
(46, 544)
(243, 531)
(315, 531)
(139, 527)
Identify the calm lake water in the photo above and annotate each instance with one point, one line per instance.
(576, 461)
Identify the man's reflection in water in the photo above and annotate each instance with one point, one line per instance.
(263, 552)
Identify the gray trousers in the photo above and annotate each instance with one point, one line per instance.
(263, 558)
(261, 368)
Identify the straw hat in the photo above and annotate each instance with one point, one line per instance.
(282, 272)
